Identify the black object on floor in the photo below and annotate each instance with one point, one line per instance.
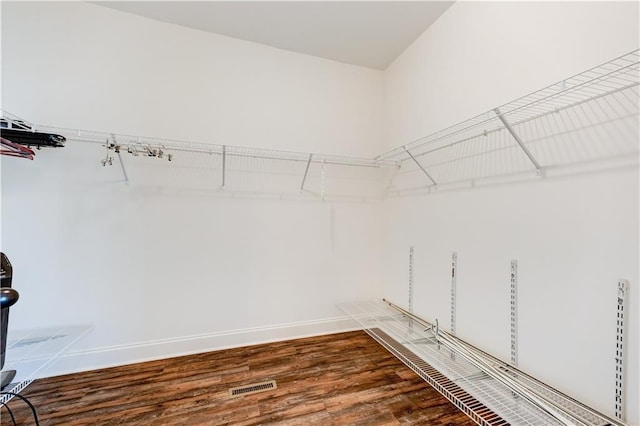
(8, 297)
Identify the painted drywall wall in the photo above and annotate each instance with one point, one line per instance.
(480, 55)
(72, 64)
(573, 236)
(167, 263)
(119, 240)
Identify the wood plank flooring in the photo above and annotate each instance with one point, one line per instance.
(338, 379)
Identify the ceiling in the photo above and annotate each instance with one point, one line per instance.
(366, 33)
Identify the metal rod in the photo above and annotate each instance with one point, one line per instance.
(306, 171)
(224, 163)
(346, 162)
(514, 312)
(527, 393)
(509, 369)
(323, 181)
(124, 171)
(454, 279)
(517, 138)
(453, 344)
(419, 165)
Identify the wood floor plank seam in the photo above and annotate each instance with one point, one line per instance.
(338, 379)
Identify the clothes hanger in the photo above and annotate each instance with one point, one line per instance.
(13, 149)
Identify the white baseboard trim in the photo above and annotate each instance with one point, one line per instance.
(91, 359)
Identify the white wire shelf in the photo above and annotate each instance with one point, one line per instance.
(142, 143)
(481, 395)
(591, 119)
(31, 352)
(229, 170)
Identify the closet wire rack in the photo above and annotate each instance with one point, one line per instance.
(490, 391)
(591, 116)
(588, 120)
(142, 143)
(31, 352)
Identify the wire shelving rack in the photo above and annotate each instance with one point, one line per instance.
(488, 390)
(231, 169)
(590, 119)
(31, 352)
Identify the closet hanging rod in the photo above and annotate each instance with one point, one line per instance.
(202, 148)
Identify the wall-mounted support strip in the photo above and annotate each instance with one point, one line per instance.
(454, 266)
(514, 313)
(623, 286)
(411, 279)
(323, 182)
(224, 164)
(419, 165)
(410, 286)
(306, 171)
(518, 140)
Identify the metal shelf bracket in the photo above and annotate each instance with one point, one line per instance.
(507, 125)
(306, 171)
(419, 165)
(224, 164)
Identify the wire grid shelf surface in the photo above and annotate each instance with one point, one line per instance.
(231, 169)
(31, 352)
(589, 117)
(419, 349)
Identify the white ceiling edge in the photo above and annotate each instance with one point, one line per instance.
(365, 33)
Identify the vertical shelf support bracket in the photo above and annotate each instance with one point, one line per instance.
(124, 171)
(410, 286)
(323, 181)
(419, 165)
(514, 313)
(507, 125)
(623, 287)
(454, 266)
(224, 164)
(306, 171)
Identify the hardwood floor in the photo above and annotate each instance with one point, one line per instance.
(338, 379)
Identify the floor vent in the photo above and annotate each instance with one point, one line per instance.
(252, 388)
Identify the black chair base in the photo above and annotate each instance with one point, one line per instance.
(6, 377)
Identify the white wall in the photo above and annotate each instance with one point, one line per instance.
(162, 269)
(101, 69)
(573, 236)
(480, 55)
